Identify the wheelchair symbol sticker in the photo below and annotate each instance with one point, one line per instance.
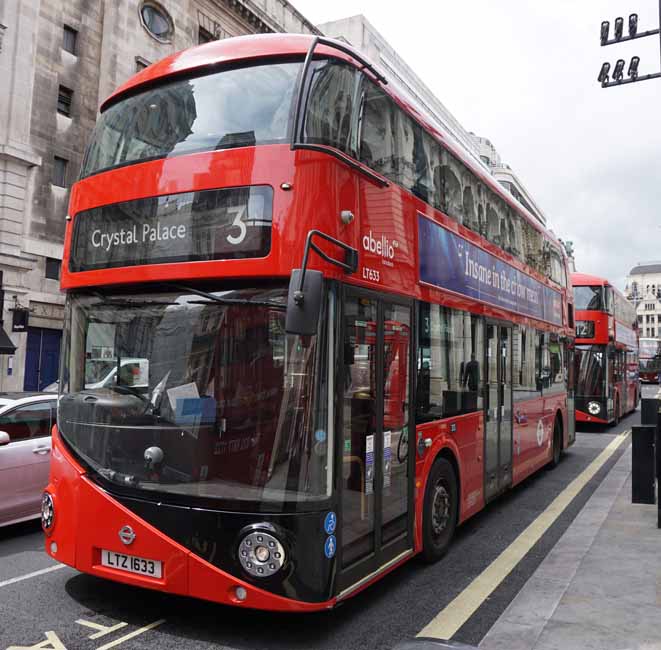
(330, 546)
(330, 523)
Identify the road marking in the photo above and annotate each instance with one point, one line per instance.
(34, 574)
(52, 642)
(131, 635)
(448, 621)
(102, 630)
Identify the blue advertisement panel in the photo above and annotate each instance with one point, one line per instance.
(450, 262)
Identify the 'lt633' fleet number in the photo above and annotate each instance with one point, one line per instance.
(371, 274)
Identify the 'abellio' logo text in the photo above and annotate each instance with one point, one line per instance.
(383, 247)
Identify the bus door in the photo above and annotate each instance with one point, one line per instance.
(498, 410)
(374, 385)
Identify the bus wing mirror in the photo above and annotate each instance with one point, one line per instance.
(304, 304)
(306, 287)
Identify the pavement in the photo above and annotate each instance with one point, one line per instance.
(600, 586)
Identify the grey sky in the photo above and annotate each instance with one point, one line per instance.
(523, 74)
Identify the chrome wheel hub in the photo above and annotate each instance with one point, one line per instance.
(440, 514)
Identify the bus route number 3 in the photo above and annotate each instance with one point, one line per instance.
(238, 222)
(371, 274)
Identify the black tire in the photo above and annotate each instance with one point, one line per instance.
(557, 444)
(440, 510)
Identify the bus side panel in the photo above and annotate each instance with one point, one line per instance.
(466, 444)
(530, 450)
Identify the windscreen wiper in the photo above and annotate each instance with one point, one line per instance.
(129, 303)
(123, 302)
(228, 301)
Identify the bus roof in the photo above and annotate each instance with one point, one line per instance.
(256, 46)
(586, 280)
(239, 48)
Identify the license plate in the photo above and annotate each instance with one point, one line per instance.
(132, 564)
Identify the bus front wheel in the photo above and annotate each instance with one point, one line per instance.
(440, 510)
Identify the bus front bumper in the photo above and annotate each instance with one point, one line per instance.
(83, 521)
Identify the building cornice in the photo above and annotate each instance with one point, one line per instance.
(249, 11)
(23, 155)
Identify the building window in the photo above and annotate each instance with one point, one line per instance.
(141, 64)
(156, 21)
(70, 39)
(64, 100)
(53, 268)
(60, 171)
(204, 35)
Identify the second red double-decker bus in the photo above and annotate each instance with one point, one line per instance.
(606, 356)
(279, 437)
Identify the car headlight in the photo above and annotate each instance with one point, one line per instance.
(47, 512)
(261, 553)
(594, 408)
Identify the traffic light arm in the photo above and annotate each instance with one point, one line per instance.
(618, 71)
(642, 77)
(624, 39)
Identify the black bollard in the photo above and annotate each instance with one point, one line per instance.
(643, 464)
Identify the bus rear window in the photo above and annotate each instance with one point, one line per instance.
(233, 108)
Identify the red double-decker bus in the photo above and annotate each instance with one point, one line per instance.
(345, 338)
(606, 358)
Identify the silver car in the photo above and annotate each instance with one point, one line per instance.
(26, 421)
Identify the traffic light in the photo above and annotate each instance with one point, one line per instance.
(605, 28)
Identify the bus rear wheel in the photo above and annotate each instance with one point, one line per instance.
(557, 443)
(440, 510)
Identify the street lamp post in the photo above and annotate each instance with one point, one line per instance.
(617, 78)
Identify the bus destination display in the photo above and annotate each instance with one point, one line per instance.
(222, 224)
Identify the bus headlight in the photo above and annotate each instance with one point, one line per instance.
(47, 512)
(261, 554)
(594, 408)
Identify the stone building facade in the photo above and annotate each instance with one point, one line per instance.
(643, 289)
(59, 59)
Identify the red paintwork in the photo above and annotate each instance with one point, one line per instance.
(585, 417)
(607, 330)
(322, 187)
